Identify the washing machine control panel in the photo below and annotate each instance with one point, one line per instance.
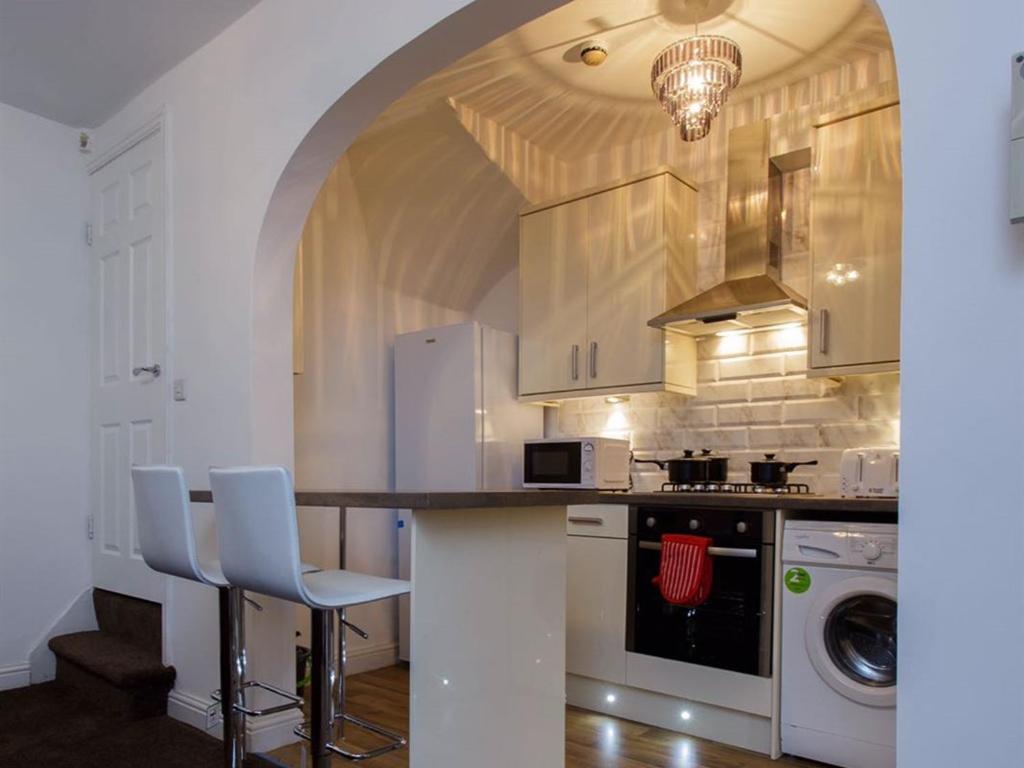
(870, 545)
(873, 549)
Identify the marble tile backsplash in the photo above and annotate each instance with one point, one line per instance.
(753, 397)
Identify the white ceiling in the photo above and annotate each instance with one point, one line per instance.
(79, 61)
(532, 81)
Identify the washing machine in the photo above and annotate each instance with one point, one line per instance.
(839, 643)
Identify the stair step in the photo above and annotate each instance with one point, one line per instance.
(132, 619)
(113, 659)
(121, 677)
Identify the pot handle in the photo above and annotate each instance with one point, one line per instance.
(659, 464)
(794, 464)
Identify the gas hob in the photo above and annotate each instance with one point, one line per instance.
(725, 488)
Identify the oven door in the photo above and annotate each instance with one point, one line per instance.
(552, 464)
(731, 630)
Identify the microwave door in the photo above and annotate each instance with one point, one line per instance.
(553, 463)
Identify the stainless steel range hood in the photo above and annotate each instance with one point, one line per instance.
(753, 294)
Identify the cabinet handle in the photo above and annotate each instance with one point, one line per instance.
(823, 331)
(575, 362)
(593, 359)
(586, 520)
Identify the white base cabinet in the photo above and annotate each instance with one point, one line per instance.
(596, 581)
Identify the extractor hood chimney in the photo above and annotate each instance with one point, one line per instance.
(753, 294)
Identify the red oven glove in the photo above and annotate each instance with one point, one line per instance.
(684, 577)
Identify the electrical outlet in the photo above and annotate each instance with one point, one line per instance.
(179, 390)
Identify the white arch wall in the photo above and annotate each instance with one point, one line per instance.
(238, 110)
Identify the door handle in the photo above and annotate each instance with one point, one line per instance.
(593, 359)
(743, 552)
(823, 331)
(153, 369)
(575, 362)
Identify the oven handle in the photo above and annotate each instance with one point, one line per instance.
(715, 551)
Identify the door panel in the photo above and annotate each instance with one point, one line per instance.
(130, 410)
(596, 608)
(856, 241)
(553, 299)
(626, 285)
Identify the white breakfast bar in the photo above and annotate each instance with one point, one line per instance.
(488, 620)
(487, 674)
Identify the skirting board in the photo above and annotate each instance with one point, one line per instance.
(14, 676)
(371, 657)
(706, 721)
(263, 734)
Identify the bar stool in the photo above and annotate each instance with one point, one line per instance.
(258, 537)
(168, 544)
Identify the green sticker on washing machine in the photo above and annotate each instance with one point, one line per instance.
(797, 580)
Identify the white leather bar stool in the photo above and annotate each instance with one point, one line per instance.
(168, 544)
(258, 536)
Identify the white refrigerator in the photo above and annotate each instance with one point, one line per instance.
(458, 423)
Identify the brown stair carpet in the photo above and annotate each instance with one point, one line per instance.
(119, 666)
(57, 726)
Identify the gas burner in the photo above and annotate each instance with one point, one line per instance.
(778, 490)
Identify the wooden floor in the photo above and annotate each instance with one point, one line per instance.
(591, 740)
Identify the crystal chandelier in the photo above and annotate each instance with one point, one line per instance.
(692, 79)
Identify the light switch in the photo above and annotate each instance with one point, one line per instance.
(179, 390)
(1017, 139)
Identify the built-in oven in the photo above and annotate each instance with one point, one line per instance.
(732, 629)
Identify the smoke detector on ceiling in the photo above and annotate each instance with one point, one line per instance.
(594, 52)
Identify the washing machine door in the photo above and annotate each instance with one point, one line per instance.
(851, 639)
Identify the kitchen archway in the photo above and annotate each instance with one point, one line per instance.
(916, 60)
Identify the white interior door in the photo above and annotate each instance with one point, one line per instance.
(129, 414)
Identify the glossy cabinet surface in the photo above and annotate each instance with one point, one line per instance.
(553, 295)
(856, 226)
(626, 250)
(596, 584)
(593, 271)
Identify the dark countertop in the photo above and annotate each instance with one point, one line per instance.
(540, 498)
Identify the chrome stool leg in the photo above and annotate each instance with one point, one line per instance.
(320, 715)
(232, 674)
(331, 715)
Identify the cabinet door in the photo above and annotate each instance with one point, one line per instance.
(856, 225)
(596, 608)
(552, 299)
(626, 285)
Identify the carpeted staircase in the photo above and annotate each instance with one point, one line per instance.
(106, 709)
(119, 666)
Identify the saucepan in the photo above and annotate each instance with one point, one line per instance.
(685, 470)
(773, 472)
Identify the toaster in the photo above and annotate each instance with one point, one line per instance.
(870, 472)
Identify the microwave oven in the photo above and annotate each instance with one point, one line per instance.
(599, 463)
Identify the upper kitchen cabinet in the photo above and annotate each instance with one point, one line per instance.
(856, 225)
(593, 269)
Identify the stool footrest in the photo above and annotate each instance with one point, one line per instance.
(291, 700)
(396, 740)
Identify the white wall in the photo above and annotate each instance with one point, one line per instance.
(961, 619)
(240, 109)
(45, 359)
(344, 399)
